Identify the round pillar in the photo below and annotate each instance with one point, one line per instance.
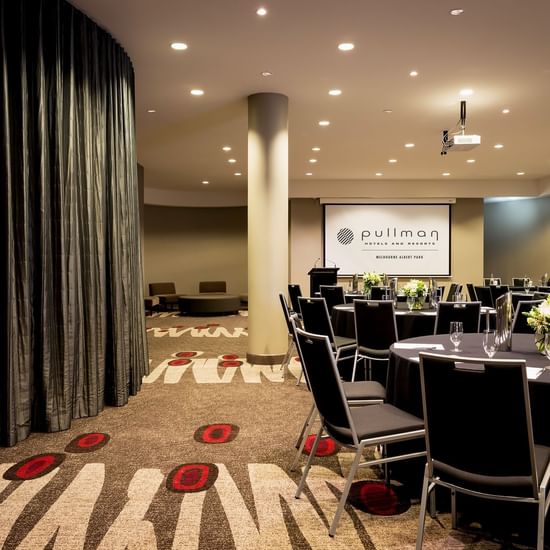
(267, 226)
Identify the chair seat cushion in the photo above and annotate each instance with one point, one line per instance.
(519, 486)
(364, 390)
(341, 341)
(373, 421)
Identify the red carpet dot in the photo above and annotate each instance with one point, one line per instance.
(179, 362)
(374, 497)
(230, 356)
(87, 443)
(34, 467)
(326, 447)
(192, 478)
(186, 354)
(216, 433)
(230, 363)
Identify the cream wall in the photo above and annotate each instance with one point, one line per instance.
(517, 238)
(306, 241)
(188, 245)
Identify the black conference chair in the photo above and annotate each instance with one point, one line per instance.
(316, 319)
(333, 295)
(294, 292)
(519, 323)
(520, 281)
(543, 289)
(472, 292)
(491, 281)
(364, 392)
(498, 290)
(454, 289)
(521, 297)
(484, 295)
(467, 312)
(375, 332)
(379, 292)
(540, 295)
(291, 345)
(352, 427)
(481, 445)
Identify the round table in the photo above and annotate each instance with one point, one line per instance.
(410, 324)
(403, 381)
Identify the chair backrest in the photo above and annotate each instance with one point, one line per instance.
(375, 326)
(212, 286)
(333, 295)
(294, 292)
(286, 313)
(521, 297)
(497, 291)
(324, 381)
(467, 312)
(540, 295)
(543, 289)
(472, 429)
(378, 292)
(472, 293)
(161, 288)
(520, 281)
(315, 317)
(491, 281)
(484, 295)
(454, 289)
(519, 324)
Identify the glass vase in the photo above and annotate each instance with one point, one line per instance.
(415, 302)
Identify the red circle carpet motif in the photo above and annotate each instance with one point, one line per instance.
(326, 447)
(216, 433)
(375, 498)
(34, 467)
(87, 443)
(192, 478)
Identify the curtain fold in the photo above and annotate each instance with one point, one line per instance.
(72, 328)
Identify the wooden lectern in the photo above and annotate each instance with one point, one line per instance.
(321, 276)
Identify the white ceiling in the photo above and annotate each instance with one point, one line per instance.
(499, 48)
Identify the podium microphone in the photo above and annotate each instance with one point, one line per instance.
(316, 261)
(333, 263)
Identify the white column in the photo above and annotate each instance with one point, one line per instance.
(267, 226)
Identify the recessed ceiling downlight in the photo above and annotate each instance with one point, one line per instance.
(379, 174)
(392, 161)
(505, 111)
(335, 92)
(471, 161)
(346, 46)
(197, 92)
(413, 73)
(498, 146)
(324, 123)
(267, 73)
(226, 148)
(520, 173)
(446, 174)
(238, 174)
(232, 161)
(178, 46)
(151, 110)
(457, 11)
(466, 92)
(309, 173)
(205, 182)
(313, 161)
(261, 11)
(409, 145)
(315, 149)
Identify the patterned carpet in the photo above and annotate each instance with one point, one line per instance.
(199, 459)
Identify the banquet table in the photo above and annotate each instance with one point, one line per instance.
(403, 380)
(409, 323)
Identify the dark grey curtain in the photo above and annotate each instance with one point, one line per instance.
(72, 334)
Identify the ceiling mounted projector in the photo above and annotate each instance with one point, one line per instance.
(458, 140)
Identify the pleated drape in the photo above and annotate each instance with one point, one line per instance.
(72, 331)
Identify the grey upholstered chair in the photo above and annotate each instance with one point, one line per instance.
(213, 286)
(166, 292)
(355, 428)
(481, 445)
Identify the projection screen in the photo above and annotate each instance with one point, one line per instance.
(396, 239)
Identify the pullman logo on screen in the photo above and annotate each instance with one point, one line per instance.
(345, 235)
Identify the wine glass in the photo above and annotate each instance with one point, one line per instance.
(489, 343)
(455, 334)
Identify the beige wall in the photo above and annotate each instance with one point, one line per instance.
(517, 238)
(306, 241)
(188, 245)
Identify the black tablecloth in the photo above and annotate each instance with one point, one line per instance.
(409, 323)
(403, 382)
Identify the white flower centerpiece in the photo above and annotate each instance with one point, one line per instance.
(370, 279)
(538, 318)
(415, 291)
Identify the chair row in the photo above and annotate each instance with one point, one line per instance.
(491, 456)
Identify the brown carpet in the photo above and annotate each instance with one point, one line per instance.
(199, 459)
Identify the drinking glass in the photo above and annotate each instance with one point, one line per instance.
(455, 334)
(489, 343)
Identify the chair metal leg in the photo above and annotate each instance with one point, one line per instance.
(300, 377)
(453, 509)
(355, 361)
(540, 518)
(422, 514)
(303, 437)
(288, 355)
(308, 463)
(345, 492)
